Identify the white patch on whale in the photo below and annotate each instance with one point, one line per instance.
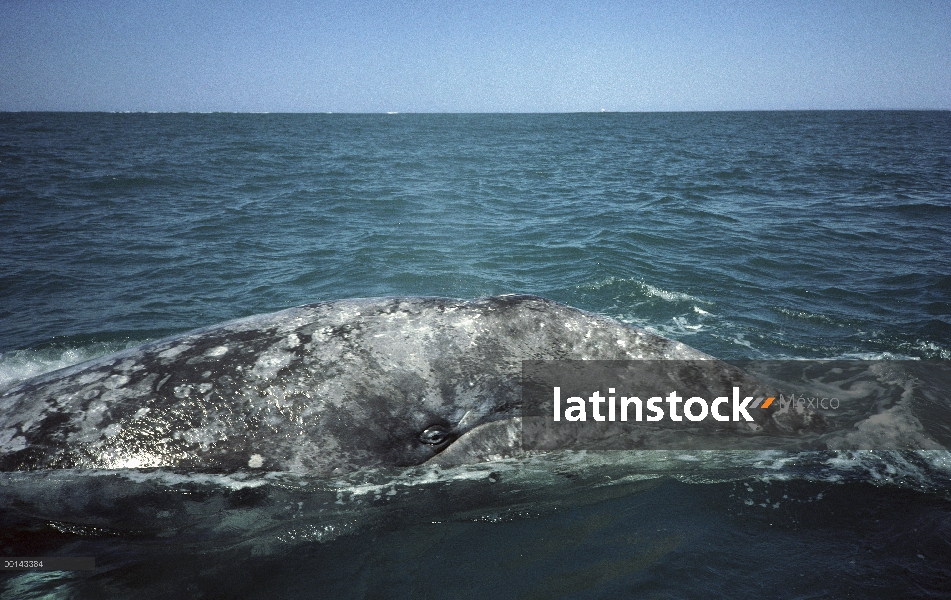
(10, 441)
(271, 362)
(116, 381)
(174, 351)
(91, 377)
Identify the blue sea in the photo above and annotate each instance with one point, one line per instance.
(747, 235)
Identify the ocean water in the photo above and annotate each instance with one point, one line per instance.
(775, 235)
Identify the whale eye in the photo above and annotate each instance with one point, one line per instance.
(434, 435)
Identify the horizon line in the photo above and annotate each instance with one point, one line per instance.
(395, 113)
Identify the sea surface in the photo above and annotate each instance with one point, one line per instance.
(750, 235)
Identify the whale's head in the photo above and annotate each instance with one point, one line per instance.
(405, 381)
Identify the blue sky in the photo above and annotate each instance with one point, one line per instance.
(473, 56)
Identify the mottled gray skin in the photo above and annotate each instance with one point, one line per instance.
(323, 389)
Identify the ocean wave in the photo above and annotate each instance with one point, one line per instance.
(809, 317)
(641, 290)
(19, 365)
(930, 349)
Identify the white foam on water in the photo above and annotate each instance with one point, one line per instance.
(807, 316)
(669, 296)
(890, 467)
(740, 340)
(885, 428)
(933, 350)
(597, 285)
(677, 326)
(873, 356)
(643, 289)
(20, 365)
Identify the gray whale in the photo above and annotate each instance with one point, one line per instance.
(325, 388)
